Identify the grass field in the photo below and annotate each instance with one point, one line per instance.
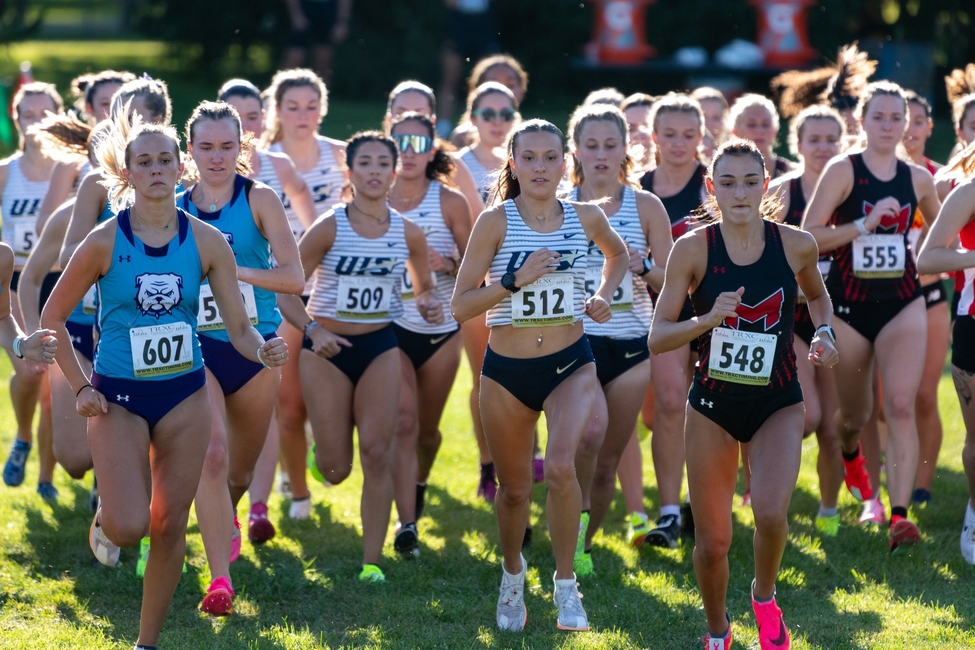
(300, 590)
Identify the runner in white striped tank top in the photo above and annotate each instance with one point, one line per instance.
(20, 204)
(430, 353)
(350, 370)
(600, 173)
(538, 358)
(324, 180)
(492, 110)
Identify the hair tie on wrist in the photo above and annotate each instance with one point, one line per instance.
(78, 394)
(260, 357)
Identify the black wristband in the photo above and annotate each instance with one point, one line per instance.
(78, 394)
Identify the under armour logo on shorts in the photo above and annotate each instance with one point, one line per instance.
(121, 398)
(706, 403)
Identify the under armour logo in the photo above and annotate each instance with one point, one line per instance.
(706, 403)
(863, 181)
(718, 269)
(128, 258)
(842, 309)
(121, 398)
(75, 340)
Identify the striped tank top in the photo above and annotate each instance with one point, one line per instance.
(484, 178)
(631, 305)
(358, 280)
(325, 181)
(20, 205)
(429, 217)
(556, 298)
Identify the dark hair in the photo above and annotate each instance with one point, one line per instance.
(238, 88)
(740, 147)
(441, 167)
(62, 134)
(155, 96)
(599, 113)
(604, 96)
(361, 138)
(642, 100)
(215, 111)
(85, 86)
(36, 88)
(281, 83)
(507, 186)
(880, 88)
(479, 74)
(485, 89)
(914, 98)
(676, 103)
(410, 86)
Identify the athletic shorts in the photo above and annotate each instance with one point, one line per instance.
(934, 294)
(231, 369)
(322, 16)
(82, 339)
(963, 343)
(472, 35)
(532, 380)
(868, 318)
(742, 416)
(365, 348)
(150, 400)
(804, 327)
(420, 347)
(47, 285)
(615, 356)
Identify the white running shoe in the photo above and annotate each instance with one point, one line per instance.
(104, 550)
(512, 613)
(568, 600)
(968, 535)
(873, 512)
(300, 508)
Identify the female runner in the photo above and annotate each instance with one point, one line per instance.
(862, 210)
(602, 172)
(493, 114)
(814, 138)
(715, 109)
(501, 68)
(533, 247)
(637, 108)
(24, 180)
(150, 415)
(350, 367)
(742, 272)
(753, 117)
(252, 219)
(423, 193)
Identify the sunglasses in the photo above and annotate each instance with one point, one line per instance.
(489, 114)
(420, 144)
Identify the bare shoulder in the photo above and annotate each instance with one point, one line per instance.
(450, 197)
(797, 241)
(647, 201)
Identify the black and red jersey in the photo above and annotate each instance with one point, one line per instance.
(797, 203)
(868, 190)
(682, 205)
(767, 309)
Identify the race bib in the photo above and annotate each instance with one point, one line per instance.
(622, 299)
(878, 256)
(364, 297)
(545, 302)
(161, 349)
(89, 303)
(741, 357)
(209, 317)
(24, 238)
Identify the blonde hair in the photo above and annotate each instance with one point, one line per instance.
(887, 88)
(154, 94)
(814, 112)
(676, 103)
(599, 113)
(281, 83)
(31, 89)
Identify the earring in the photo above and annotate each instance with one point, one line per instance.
(514, 177)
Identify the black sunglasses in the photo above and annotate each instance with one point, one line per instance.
(489, 114)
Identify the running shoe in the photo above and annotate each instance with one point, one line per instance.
(235, 542)
(873, 512)
(93, 495)
(371, 573)
(665, 534)
(687, 520)
(284, 484)
(488, 488)
(13, 471)
(140, 565)
(259, 527)
(102, 547)
(746, 499)
(772, 634)
(512, 613)
(637, 527)
(219, 600)
(903, 532)
(538, 465)
(300, 508)
(829, 526)
(582, 561)
(568, 601)
(421, 491)
(921, 497)
(313, 467)
(407, 541)
(856, 477)
(47, 491)
(968, 535)
(719, 642)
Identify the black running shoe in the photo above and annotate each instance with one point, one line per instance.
(421, 491)
(687, 520)
(666, 533)
(407, 541)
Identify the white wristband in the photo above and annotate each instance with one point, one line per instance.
(16, 346)
(260, 357)
(861, 226)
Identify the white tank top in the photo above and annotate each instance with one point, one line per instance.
(556, 298)
(325, 181)
(484, 178)
(20, 204)
(429, 217)
(358, 280)
(631, 305)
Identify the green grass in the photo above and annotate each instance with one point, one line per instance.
(300, 590)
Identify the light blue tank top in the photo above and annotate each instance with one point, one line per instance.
(251, 249)
(148, 304)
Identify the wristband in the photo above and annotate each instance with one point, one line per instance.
(16, 346)
(260, 357)
(827, 330)
(78, 394)
(859, 223)
(310, 327)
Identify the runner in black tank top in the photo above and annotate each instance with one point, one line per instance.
(681, 205)
(743, 272)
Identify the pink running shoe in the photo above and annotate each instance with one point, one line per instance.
(219, 600)
(772, 634)
(903, 532)
(539, 466)
(259, 527)
(235, 542)
(873, 512)
(718, 642)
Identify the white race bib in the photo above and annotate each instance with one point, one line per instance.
(622, 299)
(547, 301)
(24, 238)
(89, 302)
(878, 256)
(161, 349)
(364, 297)
(741, 357)
(209, 317)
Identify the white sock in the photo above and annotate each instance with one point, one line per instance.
(670, 510)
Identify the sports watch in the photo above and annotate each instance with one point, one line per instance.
(828, 331)
(508, 282)
(647, 267)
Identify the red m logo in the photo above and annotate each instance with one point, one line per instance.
(888, 224)
(769, 310)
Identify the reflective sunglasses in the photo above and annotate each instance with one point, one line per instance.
(489, 114)
(420, 144)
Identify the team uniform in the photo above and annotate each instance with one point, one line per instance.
(325, 181)
(963, 329)
(556, 298)
(148, 358)
(747, 369)
(620, 343)
(934, 293)
(251, 249)
(358, 281)
(418, 339)
(81, 321)
(804, 327)
(484, 178)
(874, 277)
